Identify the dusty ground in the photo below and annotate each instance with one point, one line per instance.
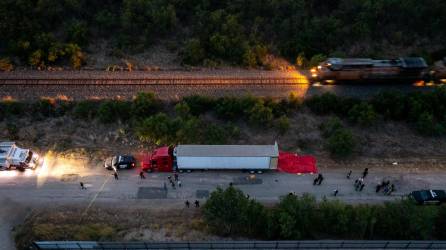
(75, 151)
(386, 142)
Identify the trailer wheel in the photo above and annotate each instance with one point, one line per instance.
(181, 171)
(259, 171)
(252, 172)
(188, 170)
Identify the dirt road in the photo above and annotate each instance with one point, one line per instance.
(20, 192)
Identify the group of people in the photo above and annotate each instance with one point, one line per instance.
(175, 181)
(386, 186)
(187, 203)
(359, 183)
(318, 179)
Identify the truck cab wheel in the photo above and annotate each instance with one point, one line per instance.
(252, 172)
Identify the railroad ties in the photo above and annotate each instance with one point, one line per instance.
(157, 81)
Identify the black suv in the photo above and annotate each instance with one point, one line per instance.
(429, 196)
(120, 162)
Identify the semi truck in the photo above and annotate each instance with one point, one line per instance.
(252, 158)
(13, 157)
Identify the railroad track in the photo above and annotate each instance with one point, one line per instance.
(156, 81)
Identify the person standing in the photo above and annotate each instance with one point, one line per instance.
(335, 192)
(378, 187)
(82, 185)
(141, 175)
(349, 174)
(115, 174)
(364, 174)
(179, 183)
(175, 176)
(320, 179)
(361, 187)
(187, 203)
(197, 203)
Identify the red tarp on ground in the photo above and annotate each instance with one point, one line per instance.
(295, 164)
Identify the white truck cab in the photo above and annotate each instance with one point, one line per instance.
(13, 157)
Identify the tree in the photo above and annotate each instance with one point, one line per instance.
(156, 129)
(225, 211)
(282, 124)
(296, 216)
(341, 143)
(144, 105)
(182, 109)
(193, 53)
(362, 114)
(329, 127)
(260, 115)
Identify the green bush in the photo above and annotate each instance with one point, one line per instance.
(13, 108)
(260, 115)
(329, 127)
(426, 125)
(45, 107)
(199, 104)
(193, 53)
(145, 105)
(362, 114)
(13, 131)
(113, 110)
(230, 212)
(391, 105)
(182, 109)
(282, 124)
(341, 143)
(85, 109)
(156, 129)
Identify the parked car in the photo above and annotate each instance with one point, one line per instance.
(120, 162)
(429, 196)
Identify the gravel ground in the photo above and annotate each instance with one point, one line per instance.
(170, 92)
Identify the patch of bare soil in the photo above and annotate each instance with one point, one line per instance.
(117, 224)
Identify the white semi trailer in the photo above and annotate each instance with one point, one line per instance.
(13, 157)
(226, 157)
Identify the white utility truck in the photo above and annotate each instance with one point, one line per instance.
(13, 157)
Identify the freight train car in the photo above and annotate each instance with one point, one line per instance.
(351, 70)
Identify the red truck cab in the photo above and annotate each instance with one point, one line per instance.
(160, 160)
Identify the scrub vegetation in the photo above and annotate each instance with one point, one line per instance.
(231, 213)
(210, 32)
(205, 120)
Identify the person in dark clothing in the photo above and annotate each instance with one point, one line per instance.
(82, 185)
(197, 203)
(173, 184)
(320, 179)
(378, 187)
(141, 175)
(175, 176)
(364, 174)
(336, 191)
(187, 204)
(349, 174)
(361, 187)
(315, 181)
(115, 174)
